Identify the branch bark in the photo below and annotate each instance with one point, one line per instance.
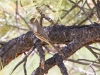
(74, 36)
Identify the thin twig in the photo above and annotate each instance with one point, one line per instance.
(84, 62)
(24, 65)
(92, 52)
(26, 56)
(22, 6)
(16, 13)
(45, 16)
(70, 10)
(41, 20)
(94, 48)
(82, 10)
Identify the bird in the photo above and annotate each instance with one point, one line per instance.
(39, 32)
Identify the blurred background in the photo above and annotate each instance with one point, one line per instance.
(83, 62)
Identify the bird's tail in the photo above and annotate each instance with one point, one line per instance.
(56, 49)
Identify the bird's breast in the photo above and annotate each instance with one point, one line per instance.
(35, 29)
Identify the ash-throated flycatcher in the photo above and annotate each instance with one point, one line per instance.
(40, 33)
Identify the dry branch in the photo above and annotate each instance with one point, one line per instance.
(74, 36)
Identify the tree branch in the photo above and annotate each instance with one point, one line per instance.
(74, 36)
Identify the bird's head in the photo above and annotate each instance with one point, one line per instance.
(33, 21)
(34, 24)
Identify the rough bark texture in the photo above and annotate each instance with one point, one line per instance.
(74, 36)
